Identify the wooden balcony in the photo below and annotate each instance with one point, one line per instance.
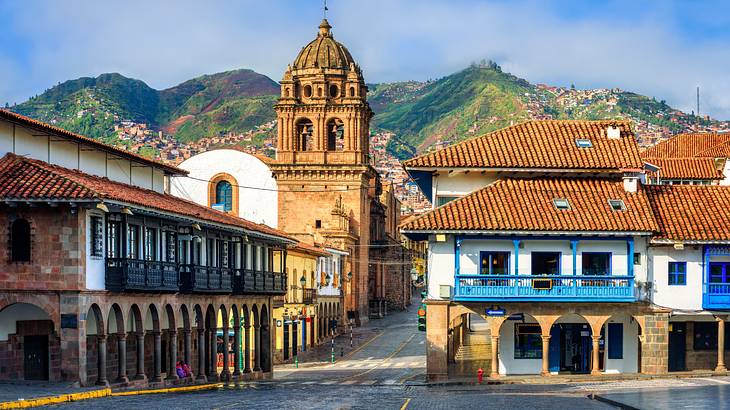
(555, 288)
(205, 279)
(134, 275)
(249, 281)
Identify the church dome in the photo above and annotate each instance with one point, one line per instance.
(324, 52)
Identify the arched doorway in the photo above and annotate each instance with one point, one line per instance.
(211, 344)
(28, 338)
(246, 340)
(520, 345)
(169, 344)
(135, 342)
(571, 345)
(200, 340)
(619, 345)
(153, 341)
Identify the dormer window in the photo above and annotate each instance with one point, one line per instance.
(561, 204)
(583, 143)
(617, 204)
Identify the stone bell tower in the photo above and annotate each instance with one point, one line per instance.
(323, 115)
(322, 160)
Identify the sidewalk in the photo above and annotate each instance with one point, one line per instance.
(11, 391)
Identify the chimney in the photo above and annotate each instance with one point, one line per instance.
(631, 183)
(613, 132)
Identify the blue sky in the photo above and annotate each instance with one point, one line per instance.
(659, 48)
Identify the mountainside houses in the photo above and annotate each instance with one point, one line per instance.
(549, 231)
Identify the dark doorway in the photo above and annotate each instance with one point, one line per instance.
(286, 341)
(574, 342)
(677, 346)
(294, 339)
(304, 335)
(35, 363)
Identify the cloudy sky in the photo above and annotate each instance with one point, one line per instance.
(658, 48)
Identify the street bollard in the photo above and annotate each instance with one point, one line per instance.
(480, 375)
(296, 362)
(342, 352)
(333, 350)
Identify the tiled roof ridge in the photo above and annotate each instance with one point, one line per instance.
(52, 128)
(11, 158)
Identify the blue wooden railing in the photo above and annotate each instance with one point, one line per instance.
(525, 288)
(716, 296)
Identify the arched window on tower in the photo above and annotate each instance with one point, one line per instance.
(224, 195)
(335, 135)
(305, 134)
(20, 241)
(352, 91)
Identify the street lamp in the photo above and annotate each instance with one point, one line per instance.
(349, 276)
(303, 281)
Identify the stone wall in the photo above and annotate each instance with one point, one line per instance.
(655, 344)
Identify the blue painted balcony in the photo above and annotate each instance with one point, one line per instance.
(549, 288)
(716, 296)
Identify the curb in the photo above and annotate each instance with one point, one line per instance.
(95, 394)
(63, 398)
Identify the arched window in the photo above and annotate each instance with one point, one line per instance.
(224, 195)
(352, 91)
(20, 241)
(334, 91)
(307, 91)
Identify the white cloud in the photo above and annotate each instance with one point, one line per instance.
(166, 42)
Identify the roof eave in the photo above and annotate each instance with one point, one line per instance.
(525, 232)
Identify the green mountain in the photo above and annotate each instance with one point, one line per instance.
(421, 115)
(207, 105)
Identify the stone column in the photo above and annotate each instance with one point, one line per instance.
(237, 351)
(187, 341)
(122, 367)
(720, 345)
(595, 370)
(201, 355)
(495, 357)
(101, 356)
(172, 348)
(226, 373)
(157, 376)
(437, 329)
(247, 349)
(213, 343)
(140, 357)
(257, 342)
(655, 346)
(545, 355)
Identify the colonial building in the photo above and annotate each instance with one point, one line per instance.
(689, 159)
(107, 278)
(542, 229)
(328, 191)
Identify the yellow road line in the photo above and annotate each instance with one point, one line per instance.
(390, 356)
(405, 404)
(169, 390)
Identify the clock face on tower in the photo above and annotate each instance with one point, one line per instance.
(323, 115)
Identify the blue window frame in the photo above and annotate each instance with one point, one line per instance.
(493, 263)
(596, 263)
(615, 340)
(528, 341)
(677, 273)
(224, 195)
(719, 272)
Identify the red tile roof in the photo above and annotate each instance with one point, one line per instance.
(691, 212)
(687, 145)
(527, 205)
(30, 179)
(311, 249)
(686, 168)
(541, 144)
(27, 121)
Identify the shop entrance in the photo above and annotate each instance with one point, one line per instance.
(570, 348)
(35, 352)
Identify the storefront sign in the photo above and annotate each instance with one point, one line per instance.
(495, 312)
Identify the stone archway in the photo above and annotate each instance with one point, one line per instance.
(168, 348)
(187, 341)
(265, 340)
(246, 339)
(200, 364)
(211, 326)
(235, 315)
(153, 340)
(96, 347)
(116, 346)
(135, 340)
(28, 339)
(256, 338)
(620, 350)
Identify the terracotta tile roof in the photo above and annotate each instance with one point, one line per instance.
(540, 144)
(527, 205)
(30, 179)
(310, 249)
(686, 146)
(27, 121)
(686, 168)
(691, 212)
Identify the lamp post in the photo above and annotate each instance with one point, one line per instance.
(303, 282)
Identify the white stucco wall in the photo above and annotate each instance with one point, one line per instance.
(507, 362)
(254, 204)
(69, 154)
(18, 312)
(726, 173)
(460, 183)
(630, 361)
(95, 268)
(686, 297)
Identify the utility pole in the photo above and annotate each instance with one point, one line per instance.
(698, 101)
